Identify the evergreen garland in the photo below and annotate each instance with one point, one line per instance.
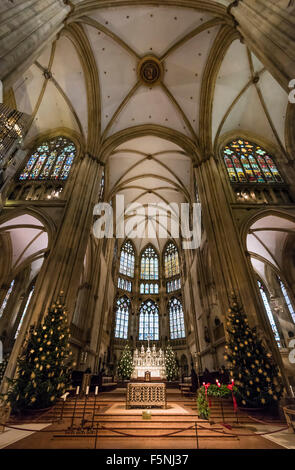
(256, 376)
(125, 366)
(170, 364)
(44, 364)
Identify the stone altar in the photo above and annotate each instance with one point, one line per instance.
(146, 395)
(151, 360)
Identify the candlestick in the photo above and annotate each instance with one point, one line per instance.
(87, 389)
(77, 390)
(96, 390)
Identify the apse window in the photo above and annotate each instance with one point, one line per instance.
(149, 266)
(246, 162)
(149, 321)
(122, 317)
(149, 288)
(127, 259)
(124, 284)
(51, 160)
(176, 319)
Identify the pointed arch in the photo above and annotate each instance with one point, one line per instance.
(149, 263)
(127, 259)
(123, 308)
(171, 260)
(149, 321)
(176, 319)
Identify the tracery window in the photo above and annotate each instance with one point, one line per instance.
(176, 319)
(149, 269)
(127, 259)
(124, 284)
(149, 321)
(171, 260)
(246, 162)
(149, 288)
(6, 298)
(287, 299)
(122, 317)
(52, 159)
(269, 313)
(172, 286)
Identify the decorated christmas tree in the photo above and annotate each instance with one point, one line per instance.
(170, 364)
(125, 366)
(256, 376)
(43, 372)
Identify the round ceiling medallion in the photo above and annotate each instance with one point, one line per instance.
(150, 70)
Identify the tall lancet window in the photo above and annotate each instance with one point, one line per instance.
(51, 160)
(127, 259)
(287, 299)
(247, 162)
(122, 317)
(269, 313)
(149, 266)
(172, 268)
(24, 312)
(149, 321)
(171, 261)
(6, 298)
(176, 319)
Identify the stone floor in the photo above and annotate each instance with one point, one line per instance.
(108, 425)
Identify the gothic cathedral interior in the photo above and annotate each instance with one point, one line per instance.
(147, 193)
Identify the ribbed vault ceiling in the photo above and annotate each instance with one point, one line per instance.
(111, 41)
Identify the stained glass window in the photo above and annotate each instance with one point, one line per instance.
(6, 298)
(246, 162)
(24, 313)
(176, 319)
(122, 317)
(127, 259)
(173, 285)
(171, 260)
(269, 313)
(124, 284)
(149, 288)
(287, 299)
(149, 321)
(53, 159)
(149, 269)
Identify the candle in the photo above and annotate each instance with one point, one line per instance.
(96, 390)
(77, 390)
(87, 389)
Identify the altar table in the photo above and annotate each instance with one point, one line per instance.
(146, 395)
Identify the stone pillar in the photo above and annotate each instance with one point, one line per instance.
(26, 28)
(231, 267)
(268, 28)
(62, 268)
